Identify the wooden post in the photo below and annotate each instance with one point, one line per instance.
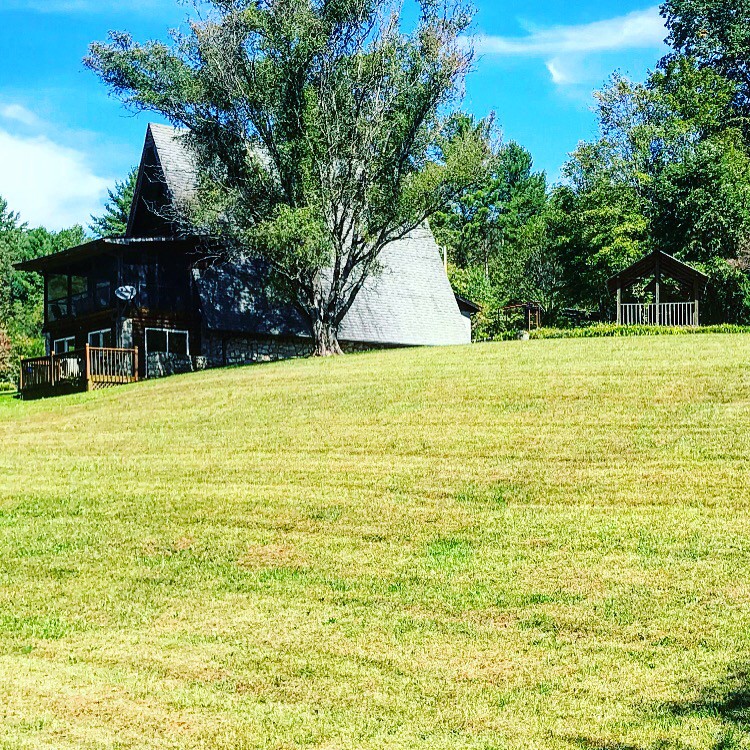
(87, 367)
(696, 318)
(658, 289)
(20, 380)
(619, 302)
(135, 363)
(52, 369)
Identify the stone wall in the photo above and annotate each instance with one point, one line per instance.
(243, 350)
(162, 365)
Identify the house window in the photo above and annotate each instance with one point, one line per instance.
(63, 346)
(167, 341)
(57, 297)
(102, 294)
(101, 339)
(79, 291)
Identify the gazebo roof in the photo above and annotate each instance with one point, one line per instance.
(668, 266)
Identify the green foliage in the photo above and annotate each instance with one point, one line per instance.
(496, 234)
(717, 35)
(6, 350)
(670, 171)
(597, 227)
(114, 221)
(610, 330)
(22, 294)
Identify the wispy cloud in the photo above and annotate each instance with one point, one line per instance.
(562, 47)
(18, 113)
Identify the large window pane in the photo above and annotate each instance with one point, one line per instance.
(80, 294)
(101, 339)
(156, 341)
(79, 285)
(63, 346)
(178, 343)
(57, 287)
(103, 294)
(57, 297)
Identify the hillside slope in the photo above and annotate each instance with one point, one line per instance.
(521, 545)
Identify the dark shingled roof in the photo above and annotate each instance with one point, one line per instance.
(175, 160)
(668, 265)
(410, 302)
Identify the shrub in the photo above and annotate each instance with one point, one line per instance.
(613, 329)
(6, 373)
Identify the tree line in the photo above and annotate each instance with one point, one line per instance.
(323, 132)
(670, 170)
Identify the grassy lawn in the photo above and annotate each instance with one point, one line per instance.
(520, 545)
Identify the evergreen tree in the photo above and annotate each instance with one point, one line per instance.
(114, 221)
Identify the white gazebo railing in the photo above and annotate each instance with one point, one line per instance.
(677, 314)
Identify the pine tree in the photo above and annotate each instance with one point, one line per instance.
(114, 221)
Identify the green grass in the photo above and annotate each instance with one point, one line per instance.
(514, 546)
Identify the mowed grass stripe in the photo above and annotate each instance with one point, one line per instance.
(521, 545)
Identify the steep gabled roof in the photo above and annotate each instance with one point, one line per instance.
(166, 177)
(410, 303)
(175, 159)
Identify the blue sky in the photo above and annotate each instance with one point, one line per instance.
(63, 140)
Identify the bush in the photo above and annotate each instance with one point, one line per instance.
(6, 373)
(612, 329)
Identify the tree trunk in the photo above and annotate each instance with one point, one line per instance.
(325, 339)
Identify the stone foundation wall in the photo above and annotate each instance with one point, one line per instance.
(240, 350)
(162, 365)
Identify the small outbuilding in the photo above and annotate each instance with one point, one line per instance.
(669, 291)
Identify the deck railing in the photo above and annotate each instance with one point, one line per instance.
(112, 366)
(678, 314)
(81, 370)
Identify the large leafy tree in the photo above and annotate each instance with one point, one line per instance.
(716, 33)
(495, 233)
(114, 221)
(670, 171)
(320, 131)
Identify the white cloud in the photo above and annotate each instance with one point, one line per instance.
(637, 30)
(18, 113)
(558, 73)
(562, 47)
(48, 184)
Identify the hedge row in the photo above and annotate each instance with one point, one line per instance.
(612, 329)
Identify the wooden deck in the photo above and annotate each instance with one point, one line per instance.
(77, 371)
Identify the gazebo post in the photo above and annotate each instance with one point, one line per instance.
(696, 295)
(619, 302)
(657, 279)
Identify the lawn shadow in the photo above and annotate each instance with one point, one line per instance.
(727, 702)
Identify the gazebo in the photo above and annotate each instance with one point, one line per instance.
(664, 310)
